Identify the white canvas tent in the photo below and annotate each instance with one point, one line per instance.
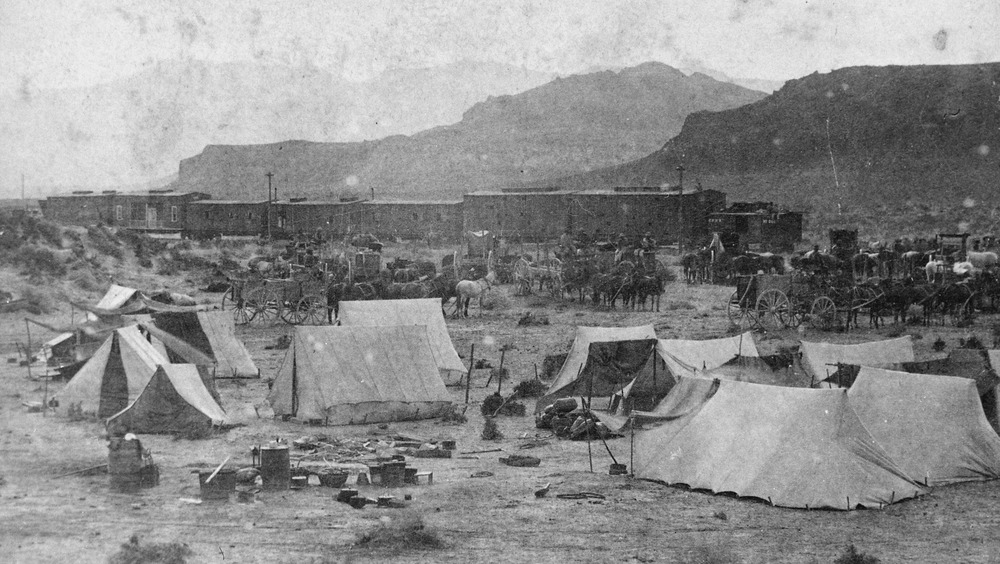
(175, 400)
(118, 297)
(686, 357)
(426, 312)
(354, 375)
(792, 447)
(114, 376)
(932, 426)
(821, 360)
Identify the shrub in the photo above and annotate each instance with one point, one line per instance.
(151, 553)
(406, 532)
(972, 342)
(496, 300)
(491, 404)
(939, 345)
(178, 261)
(490, 430)
(85, 280)
(38, 300)
(852, 556)
(530, 389)
(454, 416)
(37, 262)
(105, 241)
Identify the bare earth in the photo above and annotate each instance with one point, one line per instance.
(78, 519)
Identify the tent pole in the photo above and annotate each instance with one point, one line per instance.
(468, 377)
(631, 446)
(590, 398)
(28, 329)
(500, 371)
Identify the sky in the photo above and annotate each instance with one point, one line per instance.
(59, 43)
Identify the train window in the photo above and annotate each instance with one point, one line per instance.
(173, 214)
(118, 213)
(249, 215)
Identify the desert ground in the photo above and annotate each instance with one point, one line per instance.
(47, 517)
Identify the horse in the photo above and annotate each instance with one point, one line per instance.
(693, 267)
(648, 286)
(468, 289)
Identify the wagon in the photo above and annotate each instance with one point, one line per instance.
(253, 299)
(777, 301)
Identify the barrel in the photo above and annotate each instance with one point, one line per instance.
(275, 468)
(393, 474)
(223, 484)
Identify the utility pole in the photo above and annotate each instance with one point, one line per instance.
(269, 175)
(23, 201)
(680, 210)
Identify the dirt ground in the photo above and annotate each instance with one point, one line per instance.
(47, 518)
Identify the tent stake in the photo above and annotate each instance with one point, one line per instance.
(468, 378)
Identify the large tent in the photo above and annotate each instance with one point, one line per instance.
(634, 345)
(425, 312)
(114, 376)
(830, 364)
(792, 447)
(349, 375)
(212, 333)
(175, 400)
(932, 426)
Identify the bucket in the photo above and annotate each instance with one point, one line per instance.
(299, 482)
(333, 479)
(346, 494)
(618, 470)
(223, 484)
(275, 468)
(393, 474)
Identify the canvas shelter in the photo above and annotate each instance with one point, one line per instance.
(757, 370)
(213, 334)
(354, 375)
(114, 375)
(120, 297)
(630, 347)
(175, 400)
(686, 357)
(830, 365)
(932, 426)
(426, 312)
(792, 447)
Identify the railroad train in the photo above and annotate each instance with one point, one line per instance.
(530, 215)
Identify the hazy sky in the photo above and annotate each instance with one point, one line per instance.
(53, 43)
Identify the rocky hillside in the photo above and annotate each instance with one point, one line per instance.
(564, 127)
(921, 141)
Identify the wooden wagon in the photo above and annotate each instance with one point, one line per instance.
(258, 300)
(777, 301)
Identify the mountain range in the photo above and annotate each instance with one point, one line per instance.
(566, 126)
(917, 144)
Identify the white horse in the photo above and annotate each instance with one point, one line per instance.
(468, 289)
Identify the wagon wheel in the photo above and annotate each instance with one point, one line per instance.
(263, 305)
(773, 309)
(313, 308)
(962, 315)
(861, 298)
(739, 316)
(797, 313)
(233, 300)
(823, 314)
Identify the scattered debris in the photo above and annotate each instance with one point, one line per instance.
(530, 318)
(543, 491)
(520, 460)
(580, 495)
(482, 363)
(481, 474)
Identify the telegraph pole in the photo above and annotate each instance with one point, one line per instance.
(269, 175)
(680, 210)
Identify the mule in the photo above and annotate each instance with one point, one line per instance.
(469, 289)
